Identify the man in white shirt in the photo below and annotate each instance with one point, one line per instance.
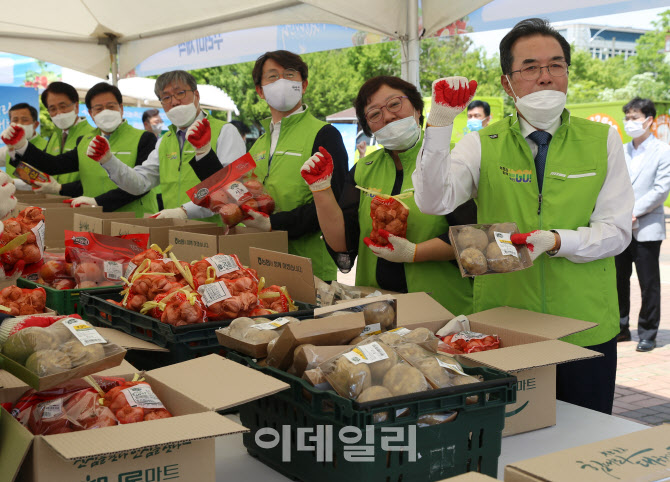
(561, 179)
(648, 161)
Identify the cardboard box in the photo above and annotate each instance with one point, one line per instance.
(100, 223)
(158, 229)
(181, 447)
(294, 272)
(530, 349)
(469, 477)
(196, 243)
(417, 310)
(640, 456)
(371, 327)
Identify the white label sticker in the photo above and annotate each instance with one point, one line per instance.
(223, 264)
(504, 241)
(237, 190)
(369, 353)
(449, 366)
(400, 331)
(113, 270)
(84, 332)
(271, 325)
(39, 236)
(51, 409)
(373, 329)
(129, 270)
(214, 292)
(142, 396)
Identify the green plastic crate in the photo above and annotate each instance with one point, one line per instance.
(66, 302)
(469, 443)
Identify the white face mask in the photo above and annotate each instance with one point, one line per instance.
(542, 108)
(283, 95)
(157, 128)
(66, 120)
(634, 129)
(108, 120)
(399, 135)
(28, 129)
(182, 115)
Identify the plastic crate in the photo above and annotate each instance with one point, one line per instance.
(184, 342)
(67, 302)
(469, 443)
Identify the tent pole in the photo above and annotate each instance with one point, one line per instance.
(409, 45)
(112, 44)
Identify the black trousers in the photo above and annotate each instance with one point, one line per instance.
(590, 383)
(645, 256)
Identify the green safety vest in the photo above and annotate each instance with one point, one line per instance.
(441, 278)
(176, 174)
(287, 187)
(123, 142)
(508, 191)
(37, 141)
(56, 147)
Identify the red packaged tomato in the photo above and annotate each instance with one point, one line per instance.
(471, 342)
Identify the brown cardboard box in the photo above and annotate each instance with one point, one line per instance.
(180, 447)
(158, 229)
(530, 349)
(311, 356)
(195, 244)
(100, 223)
(469, 477)
(281, 269)
(370, 328)
(417, 310)
(640, 456)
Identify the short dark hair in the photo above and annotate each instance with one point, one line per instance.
(168, 78)
(528, 28)
(102, 88)
(149, 113)
(372, 85)
(60, 88)
(646, 106)
(286, 59)
(24, 105)
(480, 103)
(241, 127)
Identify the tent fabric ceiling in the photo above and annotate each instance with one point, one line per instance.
(74, 33)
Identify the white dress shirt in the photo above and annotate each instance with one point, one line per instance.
(140, 179)
(444, 180)
(275, 128)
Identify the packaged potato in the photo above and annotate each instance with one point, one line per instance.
(487, 249)
(253, 336)
(308, 356)
(441, 370)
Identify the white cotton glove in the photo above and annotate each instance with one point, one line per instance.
(15, 137)
(317, 171)
(173, 213)
(256, 219)
(451, 96)
(537, 242)
(199, 134)
(22, 185)
(7, 198)
(398, 250)
(81, 201)
(98, 150)
(50, 187)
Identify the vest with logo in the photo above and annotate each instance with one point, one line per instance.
(443, 279)
(56, 147)
(282, 180)
(37, 141)
(575, 170)
(123, 143)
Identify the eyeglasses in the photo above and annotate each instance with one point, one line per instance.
(273, 76)
(533, 71)
(394, 104)
(167, 99)
(96, 109)
(62, 107)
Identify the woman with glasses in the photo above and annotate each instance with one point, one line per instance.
(391, 109)
(292, 135)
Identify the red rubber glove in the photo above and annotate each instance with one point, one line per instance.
(14, 136)
(256, 219)
(98, 150)
(317, 171)
(399, 250)
(199, 134)
(537, 241)
(451, 96)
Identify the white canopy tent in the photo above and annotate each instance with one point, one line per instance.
(139, 91)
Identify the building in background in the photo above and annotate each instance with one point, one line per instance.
(602, 41)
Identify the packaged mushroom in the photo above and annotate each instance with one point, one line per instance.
(487, 248)
(253, 337)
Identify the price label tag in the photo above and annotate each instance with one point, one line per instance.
(223, 264)
(450, 366)
(504, 241)
(238, 191)
(84, 332)
(142, 396)
(39, 236)
(369, 353)
(52, 409)
(271, 325)
(400, 331)
(372, 329)
(129, 270)
(113, 270)
(214, 292)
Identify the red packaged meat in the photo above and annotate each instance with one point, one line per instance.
(471, 342)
